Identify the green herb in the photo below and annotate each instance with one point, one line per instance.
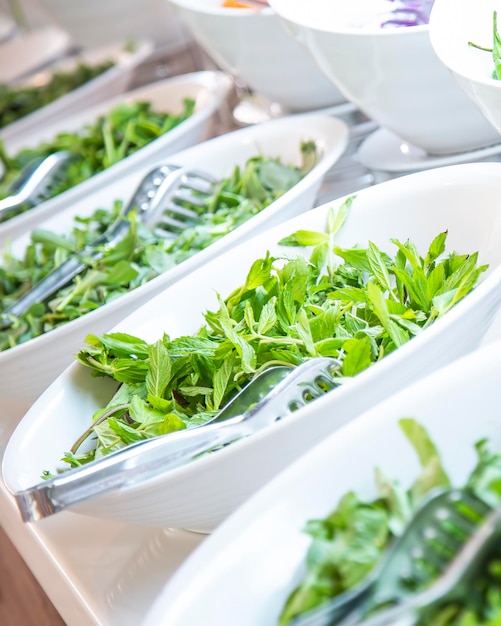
(125, 129)
(140, 256)
(348, 543)
(16, 102)
(288, 310)
(495, 50)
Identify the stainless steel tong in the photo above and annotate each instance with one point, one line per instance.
(268, 398)
(34, 183)
(167, 197)
(457, 582)
(435, 535)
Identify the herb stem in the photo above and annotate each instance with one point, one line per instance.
(100, 420)
(474, 45)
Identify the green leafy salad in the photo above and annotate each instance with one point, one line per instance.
(141, 255)
(495, 50)
(114, 136)
(18, 101)
(349, 542)
(289, 309)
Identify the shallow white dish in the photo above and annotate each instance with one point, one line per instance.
(112, 82)
(416, 207)
(26, 372)
(27, 52)
(263, 543)
(255, 46)
(208, 89)
(392, 75)
(452, 26)
(383, 150)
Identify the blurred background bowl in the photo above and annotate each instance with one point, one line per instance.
(452, 25)
(202, 493)
(94, 23)
(112, 82)
(256, 47)
(208, 89)
(392, 75)
(270, 528)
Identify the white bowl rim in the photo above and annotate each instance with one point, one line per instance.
(439, 46)
(342, 29)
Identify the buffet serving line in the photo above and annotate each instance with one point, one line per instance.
(234, 278)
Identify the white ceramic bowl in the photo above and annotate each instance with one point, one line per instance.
(392, 75)
(98, 22)
(452, 26)
(26, 370)
(264, 543)
(255, 46)
(208, 89)
(111, 83)
(201, 494)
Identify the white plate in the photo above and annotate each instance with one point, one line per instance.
(383, 150)
(27, 52)
(109, 84)
(209, 89)
(244, 572)
(201, 494)
(26, 369)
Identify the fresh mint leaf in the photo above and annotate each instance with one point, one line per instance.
(159, 371)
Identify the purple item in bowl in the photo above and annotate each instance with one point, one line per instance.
(409, 13)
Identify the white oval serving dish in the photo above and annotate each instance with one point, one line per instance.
(201, 494)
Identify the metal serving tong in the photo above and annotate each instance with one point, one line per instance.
(34, 183)
(456, 584)
(269, 397)
(434, 536)
(166, 198)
